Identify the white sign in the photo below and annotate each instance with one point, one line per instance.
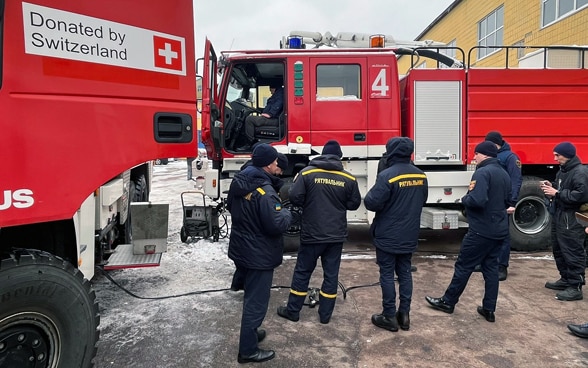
(66, 35)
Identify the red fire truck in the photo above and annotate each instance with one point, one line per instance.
(89, 96)
(355, 95)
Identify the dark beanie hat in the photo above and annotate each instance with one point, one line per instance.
(282, 161)
(566, 149)
(332, 147)
(487, 148)
(263, 155)
(495, 137)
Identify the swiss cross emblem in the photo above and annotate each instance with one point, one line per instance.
(167, 53)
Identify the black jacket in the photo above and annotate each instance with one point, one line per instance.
(397, 198)
(572, 183)
(487, 199)
(325, 192)
(258, 220)
(512, 164)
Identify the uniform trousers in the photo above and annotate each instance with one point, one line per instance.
(476, 250)
(253, 121)
(308, 254)
(400, 264)
(255, 302)
(567, 240)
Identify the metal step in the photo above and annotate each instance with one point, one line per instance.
(123, 257)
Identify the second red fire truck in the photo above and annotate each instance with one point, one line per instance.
(356, 96)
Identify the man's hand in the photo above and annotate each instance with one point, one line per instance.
(265, 115)
(548, 190)
(510, 210)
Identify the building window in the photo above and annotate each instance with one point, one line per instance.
(451, 51)
(554, 10)
(490, 32)
(336, 82)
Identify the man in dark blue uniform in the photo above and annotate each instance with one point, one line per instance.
(258, 221)
(512, 164)
(239, 277)
(398, 198)
(485, 203)
(271, 112)
(325, 192)
(566, 195)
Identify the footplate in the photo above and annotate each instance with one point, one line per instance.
(123, 257)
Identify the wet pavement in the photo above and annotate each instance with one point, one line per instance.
(202, 330)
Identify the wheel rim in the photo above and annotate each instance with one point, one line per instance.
(31, 339)
(531, 215)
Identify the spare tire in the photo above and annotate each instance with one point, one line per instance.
(530, 225)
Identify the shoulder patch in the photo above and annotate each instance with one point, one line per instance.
(472, 185)
(518, 163)
(278, 206)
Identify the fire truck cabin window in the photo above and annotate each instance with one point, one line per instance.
(338, 82)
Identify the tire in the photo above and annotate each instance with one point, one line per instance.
(140, 193)
(49, 303)
(137, 193)
(183, 235)
(530, 225)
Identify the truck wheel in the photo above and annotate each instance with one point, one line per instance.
(137, 193)
(49, 315)
(183, 234)
(530, 225)
(140, 193)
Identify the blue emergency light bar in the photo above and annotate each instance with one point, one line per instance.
(295, 42)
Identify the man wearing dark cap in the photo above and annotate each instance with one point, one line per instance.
(255, 245)
(397, 198)
(566, 195)
(486, 201)
(512, 164)
(325, 192)
(238, 276)
(271, 112)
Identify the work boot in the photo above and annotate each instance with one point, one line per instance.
(502, 273)
(387, 323)
(579, 330)
(283, 312)
(403, 320)
(560, 284)
(570, 293)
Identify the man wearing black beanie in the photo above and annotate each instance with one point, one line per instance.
(325, 192)
(512, 164)
(485, 204)
(255, 245)
(566, 195)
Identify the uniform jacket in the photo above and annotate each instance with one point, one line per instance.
(325, 192)
(487, 200)
(397, 198)
(275, 104)
(512, 164)
(572, 183)
(258, 220)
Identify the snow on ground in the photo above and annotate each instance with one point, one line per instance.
(126, 322)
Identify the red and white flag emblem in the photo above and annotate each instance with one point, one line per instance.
(167, 53)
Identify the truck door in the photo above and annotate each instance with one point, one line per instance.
(211, 127)
(338, 103)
